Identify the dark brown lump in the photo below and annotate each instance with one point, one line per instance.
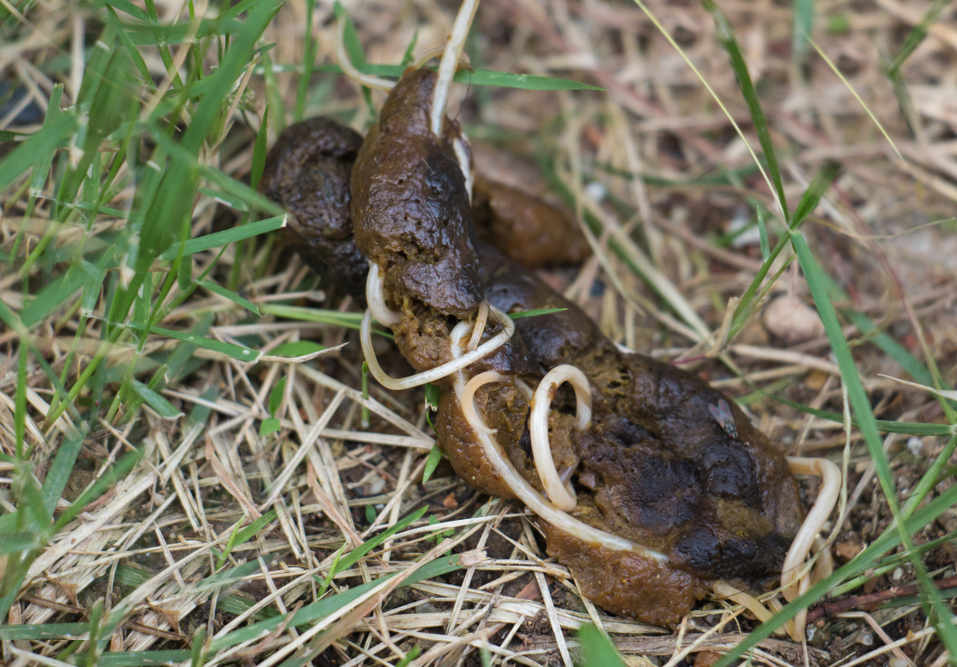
(667, 461)
(307, 172)
(410, 204)
(527, 229)
(423, 337)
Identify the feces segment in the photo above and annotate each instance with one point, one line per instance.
(307, 172)
(410, 205)
(666, 462)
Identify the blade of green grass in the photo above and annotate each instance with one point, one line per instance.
(260, 150)
(809, 201)
(802, 27)
(20, 403)
(163, 407)
(891, 347)
(43, 631)
(38, 150)
(243, 534)
(238, 352)
(335, 317)
(883, 425)
(360, 551)
(431, 463)
(740, 68)
(484, 77)
(917, 35)
(225, 237)
(597, 649)
(536, 312)
(103, 483)
(231, 296)
(61, 468)
(322, 608)
(225, 578)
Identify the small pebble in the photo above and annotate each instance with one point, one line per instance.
(848, 549)
(915, 445)
(792, 320)
(596, 190)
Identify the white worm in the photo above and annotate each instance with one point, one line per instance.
(468, 398)
(375, 297)
(521, 488)
(450, 59)
(481, 318)
(830, 476)
(562, 496)
(441, 371)
(350, 70)
(464, 156)
(795, 579)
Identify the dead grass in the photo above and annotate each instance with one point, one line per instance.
(326, 481)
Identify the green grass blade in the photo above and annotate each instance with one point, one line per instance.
(39, 148)
(597, 649)
(104, 483)
(260, 150)
(333, 317)
(812, 195)
(431, 463)
(360, 551)
(883, 425)
(163, 407)
(297, 348)
(239, 352)
(61, 469)
(20, 403)
(322, 608)
(243, 534)
(888, 345)
(750, 94)
(54, 296)
(917, 35)
(488, 77)
(350, 38)
(220, 579)
(230, 295)
(43, 631)
(535, 312)
(225, 237)
(809, 201)
(802, 27)
(19, 542)
(159, 658)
